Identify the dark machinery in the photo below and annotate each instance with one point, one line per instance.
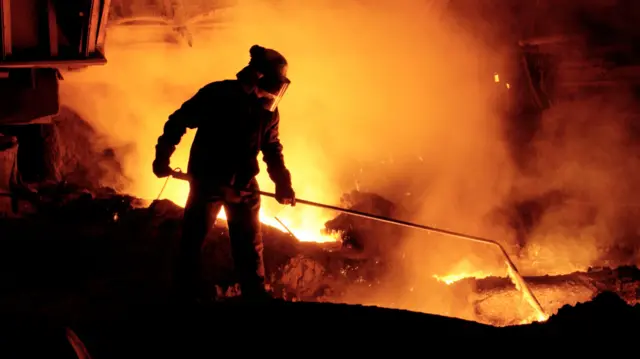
(40, 41)
(39, 38)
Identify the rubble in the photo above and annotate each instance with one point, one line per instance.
(135, 241)
(496, 300)
(81, 253)
(606, 312)
(366, 236)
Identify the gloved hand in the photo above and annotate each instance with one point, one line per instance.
(162, 160)
(161, 168)
(285, 195)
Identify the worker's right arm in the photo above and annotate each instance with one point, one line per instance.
(189, 115)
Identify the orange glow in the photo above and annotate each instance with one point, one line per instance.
(306, 224)
(323, 136)
(463, 270)
(374, 87)
(392, 97)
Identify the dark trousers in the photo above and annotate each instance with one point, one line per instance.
(244, 232)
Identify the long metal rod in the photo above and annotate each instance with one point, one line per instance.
(286, 228)
(520, 282)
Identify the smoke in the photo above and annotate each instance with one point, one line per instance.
(585, 150)
(582, 162)
(371, 83)
(390, 97)
(387, 97)
(84, 157)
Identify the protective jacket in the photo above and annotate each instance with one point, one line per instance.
(232, 128)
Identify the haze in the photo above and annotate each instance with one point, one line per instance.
(392, 98)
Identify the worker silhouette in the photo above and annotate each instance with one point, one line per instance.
(235, 120)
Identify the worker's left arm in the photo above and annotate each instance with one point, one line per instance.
(272, 154)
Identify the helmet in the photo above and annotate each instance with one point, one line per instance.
(267, 70)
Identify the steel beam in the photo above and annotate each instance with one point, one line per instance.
(7, 43)
(92, 31)
(102, 29)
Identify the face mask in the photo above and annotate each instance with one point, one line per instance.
(273, 90)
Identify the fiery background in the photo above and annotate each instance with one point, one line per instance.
(396, 98)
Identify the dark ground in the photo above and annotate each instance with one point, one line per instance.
(286, 328)
(98, 265)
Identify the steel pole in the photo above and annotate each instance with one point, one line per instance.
(520, 282)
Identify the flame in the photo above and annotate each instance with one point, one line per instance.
(354, 90)
(452, 278)
(462, 270)
(330, 120)
(307, 225)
